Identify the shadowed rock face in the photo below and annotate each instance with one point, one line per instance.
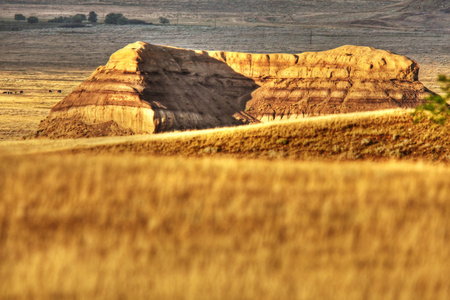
(148, 89)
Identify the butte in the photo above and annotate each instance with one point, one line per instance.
(148, 88)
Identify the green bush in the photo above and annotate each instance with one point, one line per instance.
(114, 18)
(122, 21)
(78, 18)
(32, 20)
(19, 17)
(436, 108)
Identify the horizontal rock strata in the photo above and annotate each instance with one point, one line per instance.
(147, 88)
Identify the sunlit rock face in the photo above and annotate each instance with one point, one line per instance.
(148, 89)
(342, 80)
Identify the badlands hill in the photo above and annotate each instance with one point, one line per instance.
(147, 88)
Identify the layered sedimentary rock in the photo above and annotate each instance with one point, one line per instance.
(147, 88)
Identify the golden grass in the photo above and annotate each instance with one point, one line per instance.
(208, 223)
(207, 226)
(20, 114)
(376, 136)
(127, 227)
(381, 135)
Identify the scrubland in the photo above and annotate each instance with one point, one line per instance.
(134, 227)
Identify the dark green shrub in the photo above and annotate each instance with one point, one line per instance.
(122, 21)
(19, 17)
(78, 18)
(32, 20)
(92, 17)
(113, 18)
(58, 20)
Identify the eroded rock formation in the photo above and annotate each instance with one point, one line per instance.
(147, 88)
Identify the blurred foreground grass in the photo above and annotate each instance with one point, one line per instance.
(133, 227)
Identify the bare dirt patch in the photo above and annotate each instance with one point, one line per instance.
(74, 128)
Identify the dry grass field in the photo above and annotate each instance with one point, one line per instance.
(170, 217)
(338, 207)
(21, 113)
(128, 227)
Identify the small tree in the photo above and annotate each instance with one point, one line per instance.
(436, 108)
(163, 20)
(113, 18)
(32, 20)
(92, 17)
(78, 18)
(19, 17)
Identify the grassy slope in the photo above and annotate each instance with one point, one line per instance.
(133, 227)
(374, 136)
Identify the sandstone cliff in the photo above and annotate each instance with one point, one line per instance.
(147, 88)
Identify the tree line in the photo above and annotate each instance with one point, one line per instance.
(111, 18)
(78, 18)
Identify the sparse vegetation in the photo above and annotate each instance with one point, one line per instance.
(19, 17)
(163, 20)
(437, 108)
(79, 18)
(32, 20)
(92, 17)
(116, 19)
(60, 20)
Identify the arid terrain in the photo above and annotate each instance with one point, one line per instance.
(352, 206)
(42, 57)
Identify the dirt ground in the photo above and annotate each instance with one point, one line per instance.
(43, 57)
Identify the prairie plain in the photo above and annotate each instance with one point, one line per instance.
(336, 207)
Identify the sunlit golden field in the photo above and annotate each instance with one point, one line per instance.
(128, 227)
(20, 113)
(381, 135)
(352, 206)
